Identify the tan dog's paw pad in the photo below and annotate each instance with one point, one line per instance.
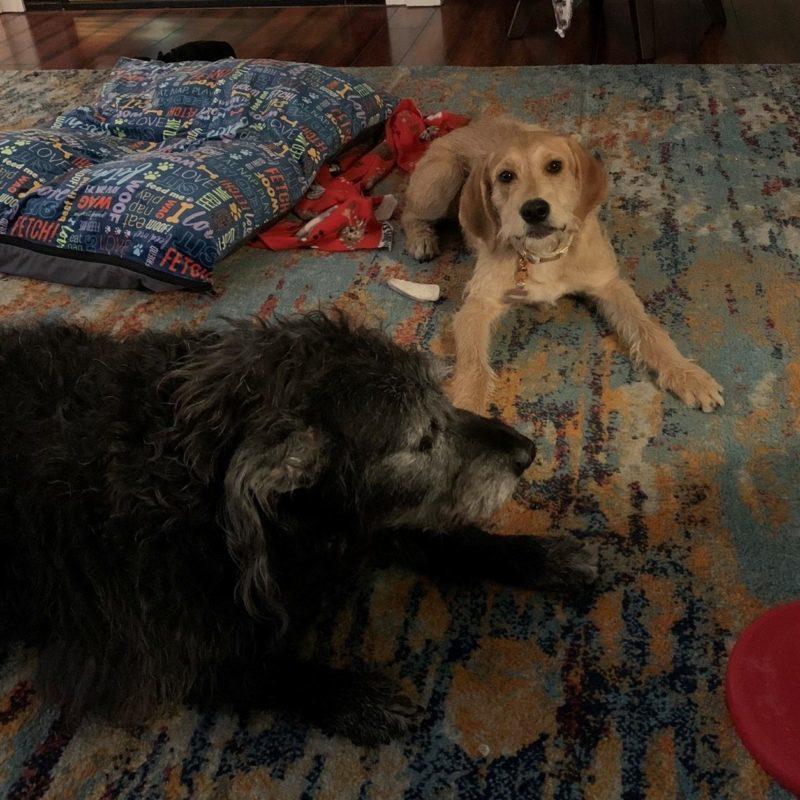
(694, 386)
(423, 246)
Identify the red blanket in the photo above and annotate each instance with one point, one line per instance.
(337, 213)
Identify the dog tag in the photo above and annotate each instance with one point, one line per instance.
(426, 292)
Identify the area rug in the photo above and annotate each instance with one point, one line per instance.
(620, 694)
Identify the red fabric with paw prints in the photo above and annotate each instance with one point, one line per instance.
(409, 134)
(336, 213)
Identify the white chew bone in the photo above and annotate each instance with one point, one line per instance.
(386, 208)
(416, 291)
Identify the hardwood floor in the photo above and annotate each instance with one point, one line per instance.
(463, 32)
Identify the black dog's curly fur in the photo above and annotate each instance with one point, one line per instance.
(177, 507)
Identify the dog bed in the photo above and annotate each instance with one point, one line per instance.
(172, 168)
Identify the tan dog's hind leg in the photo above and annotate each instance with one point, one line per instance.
(433, 186)
(473, 379)
(650, 344)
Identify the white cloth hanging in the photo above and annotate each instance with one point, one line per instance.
(563, 12)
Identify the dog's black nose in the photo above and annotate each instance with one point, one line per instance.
(535, 210)
(519, 447)
(524, 455)
(489, 435)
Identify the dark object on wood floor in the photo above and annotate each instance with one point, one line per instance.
(642, 18)
(196, 51)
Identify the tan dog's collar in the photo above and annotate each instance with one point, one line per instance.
(525, 259)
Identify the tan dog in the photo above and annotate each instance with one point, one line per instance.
(529, 209)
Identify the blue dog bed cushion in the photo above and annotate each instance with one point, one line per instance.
(172, 168)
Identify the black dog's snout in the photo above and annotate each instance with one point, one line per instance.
(535, 210)
(493, 435)
(524, 454)
(519, 447)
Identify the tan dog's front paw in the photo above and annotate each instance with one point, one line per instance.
(693, 385)
(423, 244)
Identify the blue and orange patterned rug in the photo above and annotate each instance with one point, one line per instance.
(698, 516)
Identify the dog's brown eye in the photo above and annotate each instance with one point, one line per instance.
(554, 166)
(506, 176)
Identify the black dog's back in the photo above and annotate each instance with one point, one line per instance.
(65, 390)
(46, 370)
(83, 417)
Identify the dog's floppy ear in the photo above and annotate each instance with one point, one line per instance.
(214, 391)
(265, 465)
(476, 212)
(591, 179)
(230, 433)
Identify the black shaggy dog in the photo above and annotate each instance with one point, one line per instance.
(176, 508)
